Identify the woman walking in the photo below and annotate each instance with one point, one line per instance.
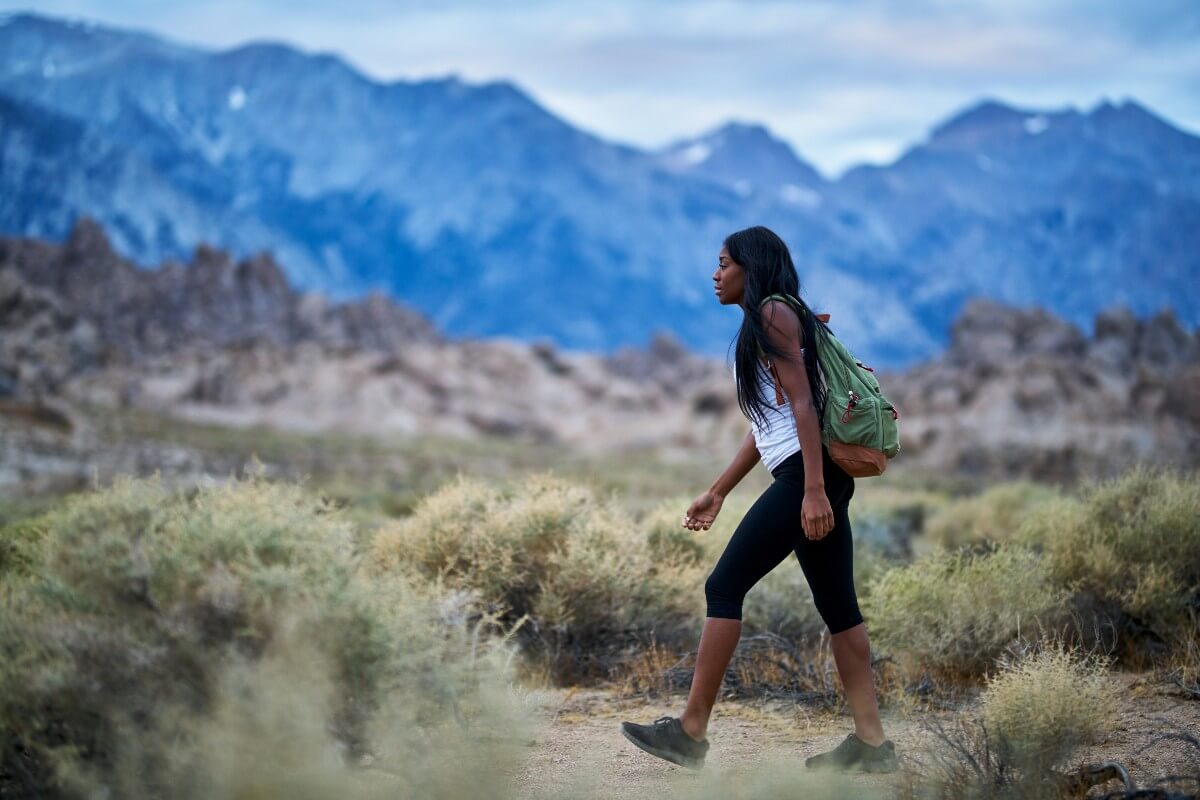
(805, 511)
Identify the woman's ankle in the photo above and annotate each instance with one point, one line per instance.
(693, 726)
(872, 738)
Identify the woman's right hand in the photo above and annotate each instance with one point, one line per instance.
(703, 511)
(816, 515)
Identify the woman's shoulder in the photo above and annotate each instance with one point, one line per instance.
(779, 314)
(778, 303)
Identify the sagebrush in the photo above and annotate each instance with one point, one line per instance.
(954, 612)
(1129, 550)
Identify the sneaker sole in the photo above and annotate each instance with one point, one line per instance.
(857, 766)
(663, 754)
(877, 768)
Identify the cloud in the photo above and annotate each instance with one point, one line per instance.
(843, 80)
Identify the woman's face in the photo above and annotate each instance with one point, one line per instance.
(729, 279)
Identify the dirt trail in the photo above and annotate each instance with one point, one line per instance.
(579, 749)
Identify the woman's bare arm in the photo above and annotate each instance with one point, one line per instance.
(782, 327)
(704, 509)
(743, 461)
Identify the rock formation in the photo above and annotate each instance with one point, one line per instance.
(1018, 392)
(1022, 392)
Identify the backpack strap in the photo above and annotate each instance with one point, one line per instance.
(794, 303)
(791, 301)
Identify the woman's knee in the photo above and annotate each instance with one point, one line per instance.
(841, 614)
(722, 600)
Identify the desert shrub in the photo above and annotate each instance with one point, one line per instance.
(1129, 548)
(20, 542)
(782, 603)
(584, 578)
(954, 612)
(671, 543)
(992, 515)
(1047, 700)
(968, 759)
(892, 518)
(662, 526)
(158, 637)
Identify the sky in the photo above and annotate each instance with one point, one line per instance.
(843, 81)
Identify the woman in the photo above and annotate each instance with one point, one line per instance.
(754, 264)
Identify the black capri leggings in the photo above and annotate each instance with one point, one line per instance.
(771, 529)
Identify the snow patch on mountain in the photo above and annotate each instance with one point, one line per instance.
(1036, 124)
(795, 195)
(695, 154)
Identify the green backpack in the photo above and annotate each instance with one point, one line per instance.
(859, 426)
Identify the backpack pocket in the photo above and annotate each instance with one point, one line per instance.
(858, 419)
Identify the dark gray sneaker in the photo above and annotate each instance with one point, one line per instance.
(855, 755)
(666, 738)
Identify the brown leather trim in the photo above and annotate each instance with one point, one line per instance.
(779, 398)
(858, 461)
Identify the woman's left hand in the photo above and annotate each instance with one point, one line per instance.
(816, 515)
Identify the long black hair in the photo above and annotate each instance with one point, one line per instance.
(768, 269)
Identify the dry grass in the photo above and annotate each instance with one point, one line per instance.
(1182, 669)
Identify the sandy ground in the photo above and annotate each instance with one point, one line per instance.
(579, 749)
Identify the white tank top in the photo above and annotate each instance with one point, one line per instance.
(777, 438)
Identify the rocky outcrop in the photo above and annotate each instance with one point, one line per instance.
(212, 303)
(230, 342)
(41, 343)
(679, 373)
(1018, 391)
(1023, 392)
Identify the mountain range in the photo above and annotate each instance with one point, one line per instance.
(492, 216)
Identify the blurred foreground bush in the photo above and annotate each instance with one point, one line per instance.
(229, 644)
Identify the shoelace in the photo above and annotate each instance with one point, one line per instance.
(663, 720)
